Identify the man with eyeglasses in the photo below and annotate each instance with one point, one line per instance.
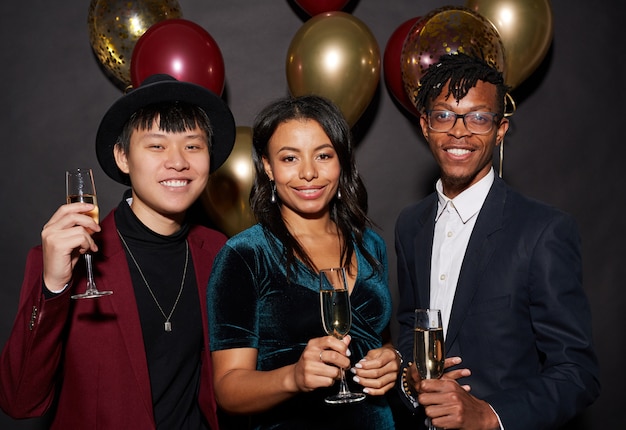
(504, 270)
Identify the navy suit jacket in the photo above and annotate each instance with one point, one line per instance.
(520, 319)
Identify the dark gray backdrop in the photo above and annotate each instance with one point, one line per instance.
(565, 145)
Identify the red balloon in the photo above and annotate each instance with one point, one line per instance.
(392, 64)
(314, 7)
(181, 49)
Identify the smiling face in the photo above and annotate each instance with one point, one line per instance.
(463, 157)
(303, 164)
(168, 172)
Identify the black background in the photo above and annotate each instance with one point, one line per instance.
(565, 146)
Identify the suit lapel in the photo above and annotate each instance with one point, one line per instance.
(479, 251)
(116, 277)
(423, 253)
(203, 252)
(201, 256)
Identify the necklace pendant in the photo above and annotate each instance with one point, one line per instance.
(168, 326)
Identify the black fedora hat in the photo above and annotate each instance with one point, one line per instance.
(163, 88)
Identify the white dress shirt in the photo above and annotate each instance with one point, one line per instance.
(454, 223)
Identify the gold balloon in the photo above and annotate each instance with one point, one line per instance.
(116, 25)
(448, 30)
(336, 56)
(226, 198)
(525, 27)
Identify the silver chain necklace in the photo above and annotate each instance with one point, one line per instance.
(168, 324)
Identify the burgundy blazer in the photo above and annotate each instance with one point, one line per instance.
(86, 358)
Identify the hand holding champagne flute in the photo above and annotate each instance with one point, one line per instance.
(337, 319)
(428, 346)
(80, 187)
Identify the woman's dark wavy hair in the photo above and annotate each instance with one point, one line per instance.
(349, 213)
(463, 71)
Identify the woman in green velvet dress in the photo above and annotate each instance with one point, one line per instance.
(273, 363)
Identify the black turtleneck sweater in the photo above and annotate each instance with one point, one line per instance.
(173, 357)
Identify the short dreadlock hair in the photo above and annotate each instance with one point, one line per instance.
(463, 71)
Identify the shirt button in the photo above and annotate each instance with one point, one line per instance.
(442, 277)
(450, 234)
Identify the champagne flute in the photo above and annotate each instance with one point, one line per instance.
(336, 319)
(428, 346)
(79, 187)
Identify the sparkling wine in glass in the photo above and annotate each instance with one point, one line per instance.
(428, 346)
(80, 187)
(336, 319)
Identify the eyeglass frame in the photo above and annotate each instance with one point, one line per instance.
(494, 115)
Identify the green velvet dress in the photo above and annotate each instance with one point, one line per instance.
(252, 305)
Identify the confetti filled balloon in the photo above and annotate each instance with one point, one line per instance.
(335, 55)
(525, 27)
(226, 198)
(116, 25)
(448, 30)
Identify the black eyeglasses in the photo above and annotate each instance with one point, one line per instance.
(475, 122)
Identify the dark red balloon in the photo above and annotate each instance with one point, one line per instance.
(392, 64)
(314, 7)
(181, 49)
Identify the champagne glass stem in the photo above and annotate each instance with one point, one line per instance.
(91, 284)
(343, 386)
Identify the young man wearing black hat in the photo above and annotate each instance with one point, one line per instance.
(138, 358)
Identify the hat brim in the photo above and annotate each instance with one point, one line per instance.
(157, 89)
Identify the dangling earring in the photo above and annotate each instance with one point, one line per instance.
(501, 157)
(338, 194)
(273, 187)
(508, 101)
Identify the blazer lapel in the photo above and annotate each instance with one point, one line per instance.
(479, 251)
(423, 253)
(115, 276)
(203, 252)
(201, 255)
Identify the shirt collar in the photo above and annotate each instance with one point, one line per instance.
(468, 203)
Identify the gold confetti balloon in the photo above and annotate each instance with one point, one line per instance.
(116, 25)
(448, 30)
(525, 27)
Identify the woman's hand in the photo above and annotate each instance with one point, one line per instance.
(377, 371)
(320, 361)
(242, 389)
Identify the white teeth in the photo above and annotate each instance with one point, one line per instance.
(174, 183)
(310, 191)
(458, 151)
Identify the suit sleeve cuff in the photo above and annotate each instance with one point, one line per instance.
(497, 416)
(404, 385)
(48, 294)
